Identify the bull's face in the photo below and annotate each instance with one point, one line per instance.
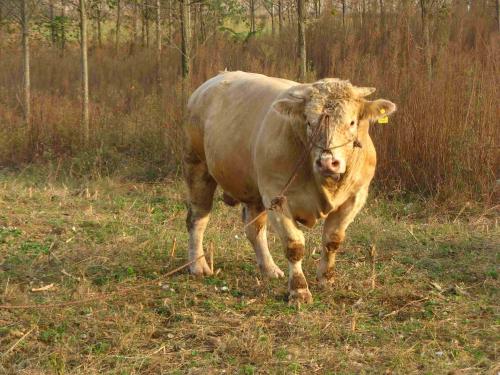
(331, 112)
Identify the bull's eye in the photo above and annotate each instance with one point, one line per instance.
(352, 123)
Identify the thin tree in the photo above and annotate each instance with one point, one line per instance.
(26, 66)
(185, 25)
(498, 15)
(118, 24)
(252, 15)
(301, 39)
(85, 73)
(63, 26)
(52, 23)
(272, 18)
(425, 9)
(146, 21)
(185, 40)
(99, 22)
(169, 21)
(158, 46)
(280, 16)
(135, 25)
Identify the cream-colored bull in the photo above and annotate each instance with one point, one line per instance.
(247, 132)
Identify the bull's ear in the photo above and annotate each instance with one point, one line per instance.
(293, 103)
(377, 109)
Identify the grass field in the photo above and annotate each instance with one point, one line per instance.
(109, 244)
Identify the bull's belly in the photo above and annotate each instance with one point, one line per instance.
(234, 179)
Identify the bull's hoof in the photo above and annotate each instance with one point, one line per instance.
(325, 277)
(325, 282)
(200, 268)
(271, 271)
(299, 296)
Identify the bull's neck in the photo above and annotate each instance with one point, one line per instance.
(333, 193)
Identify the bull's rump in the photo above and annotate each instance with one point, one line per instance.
(226, 113)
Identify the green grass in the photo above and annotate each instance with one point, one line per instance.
(433, 309)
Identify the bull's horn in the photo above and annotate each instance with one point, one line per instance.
(361, 92)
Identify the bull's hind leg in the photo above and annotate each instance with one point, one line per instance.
(201, 186)
(255, 229)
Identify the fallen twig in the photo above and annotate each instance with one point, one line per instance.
(405, 306)
(18, 342)
(211, 256)
(66, 273)
(43, 288)
(174, 246)
(372, 254)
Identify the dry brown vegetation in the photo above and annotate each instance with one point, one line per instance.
(442, 142)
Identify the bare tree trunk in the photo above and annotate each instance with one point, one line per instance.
(185, 40)
(158, 46)
(426, 36)
(194, 21)
(203, 27)
(272, 18)
(26, 67)
(118, 25)
(498, 15)
(363, 14)
(135, 26)
(52, 25)
(252, 16)
(280, 16)
(63, 26)
(169, 22)
(143, 23)
(343, 13)
(185, 48)
(99, 28)
(146, 17)
(85, 73)
(302, 39)
(382, 18)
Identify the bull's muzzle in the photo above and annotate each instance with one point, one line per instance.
(330, 166)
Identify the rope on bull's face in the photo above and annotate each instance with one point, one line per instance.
(324, 122)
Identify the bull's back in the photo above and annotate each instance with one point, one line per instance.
(226, 114)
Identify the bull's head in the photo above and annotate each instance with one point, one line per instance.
(335, 116)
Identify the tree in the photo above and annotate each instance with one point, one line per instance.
(63, 26)
(26, 65)
(280, 16)
(498, 15)
(85, 73)
(251, 6)
(425, 9)
(185, 38)
(52, 23)
(158, 46)
(118, 24)
(301, 39)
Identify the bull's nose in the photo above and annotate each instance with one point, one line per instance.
(328, 165)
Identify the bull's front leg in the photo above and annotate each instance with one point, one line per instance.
(293, 242)
(334, 229)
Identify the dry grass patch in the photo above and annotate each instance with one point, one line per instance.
(433, 308)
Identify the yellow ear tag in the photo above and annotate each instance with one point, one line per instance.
(383, 119)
